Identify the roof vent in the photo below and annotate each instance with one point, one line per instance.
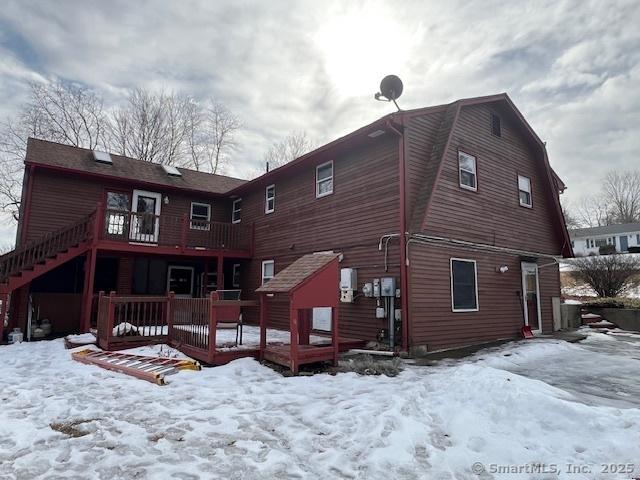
(102, 157)
(171, 170)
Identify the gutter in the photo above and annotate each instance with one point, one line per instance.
(404, 277)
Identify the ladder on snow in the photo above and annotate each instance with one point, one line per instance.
(151, 369)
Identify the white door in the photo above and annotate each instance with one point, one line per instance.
(531, 296)
(145, 216)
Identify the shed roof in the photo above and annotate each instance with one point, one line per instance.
(67, 157)
(296, 273)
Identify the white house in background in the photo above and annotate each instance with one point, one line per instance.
(587, 241)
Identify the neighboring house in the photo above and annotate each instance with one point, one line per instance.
(587, 241)
(455, 207)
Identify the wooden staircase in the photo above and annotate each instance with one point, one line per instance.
(25, 263)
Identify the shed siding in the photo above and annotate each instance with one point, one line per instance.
(492, 215)
(363, 206)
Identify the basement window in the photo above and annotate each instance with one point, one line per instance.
(324, 179)
(268, 271)
(524, 187)
(200, 216)
(236, 211)
(464, 285)
(270, 199)
(467, 171)
(496, 128)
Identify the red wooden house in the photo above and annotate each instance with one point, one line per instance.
(446, 221)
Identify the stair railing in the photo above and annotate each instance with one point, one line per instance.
(49, 245)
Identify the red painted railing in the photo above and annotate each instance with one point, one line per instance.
(47, 246)
(175, 230)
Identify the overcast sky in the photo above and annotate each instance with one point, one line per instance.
(572, 67)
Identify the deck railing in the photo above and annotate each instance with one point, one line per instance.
(47, 246)
(175, 230)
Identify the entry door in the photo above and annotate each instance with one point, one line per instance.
(180, 281)
(145, 216)
(624, 243)
(531, 296)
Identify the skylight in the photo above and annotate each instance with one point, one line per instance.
(102, 157)
(171, 170)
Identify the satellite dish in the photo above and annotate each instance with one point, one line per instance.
(390, 89)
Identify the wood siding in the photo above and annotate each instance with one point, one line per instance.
(58, 200)
(491, 215)
(364, 205)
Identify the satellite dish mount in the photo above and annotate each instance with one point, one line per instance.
(390, 90)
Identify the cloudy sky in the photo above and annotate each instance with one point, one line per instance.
(572, 67)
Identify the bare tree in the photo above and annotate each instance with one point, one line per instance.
(593, 211)
(211, 136)
(291, 147)
(152, 127)
(59, 111)
(569, 218)
(621, 190)
(608, 275)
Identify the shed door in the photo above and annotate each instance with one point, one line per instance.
(531, 296)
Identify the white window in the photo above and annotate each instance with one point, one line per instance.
(236, 275)
(467, 171)
(270, 199)
(324, 179)
(524, 187)
(236, 211)
(464, 285)
(267, 271)
(200, 216)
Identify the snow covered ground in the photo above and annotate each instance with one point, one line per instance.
(538, 402)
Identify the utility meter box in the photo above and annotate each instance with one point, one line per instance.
(348, 284)
(388, 287)
(348, 279)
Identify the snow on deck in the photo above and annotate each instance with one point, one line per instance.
(243, 420)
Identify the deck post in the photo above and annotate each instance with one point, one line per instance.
(111, 318)
(335, 337)
(170, 298)
(220, 274)
(213, 325)
(87, 293)
(4, 298)
(293, 347)
(263, 325)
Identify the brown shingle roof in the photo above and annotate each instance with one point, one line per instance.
(297, 272)
(41, 152)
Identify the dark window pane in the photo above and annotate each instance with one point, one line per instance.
(464, 285)
(117, 201)
(525, 198)
(200, 211)
(468, 179)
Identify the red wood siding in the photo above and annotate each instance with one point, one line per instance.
(492, 215)
(500, 313)
(59, 199)
(363, 207)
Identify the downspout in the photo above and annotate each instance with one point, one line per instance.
(404, 282)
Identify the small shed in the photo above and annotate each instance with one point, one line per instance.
(310, 282)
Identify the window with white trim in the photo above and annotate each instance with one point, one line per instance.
(236, 211)
(200, 216)
(268, 271)
(467, 171)
(270, 199)
(524, 191)
(324, 179)
(236, 275)
(464, 285)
